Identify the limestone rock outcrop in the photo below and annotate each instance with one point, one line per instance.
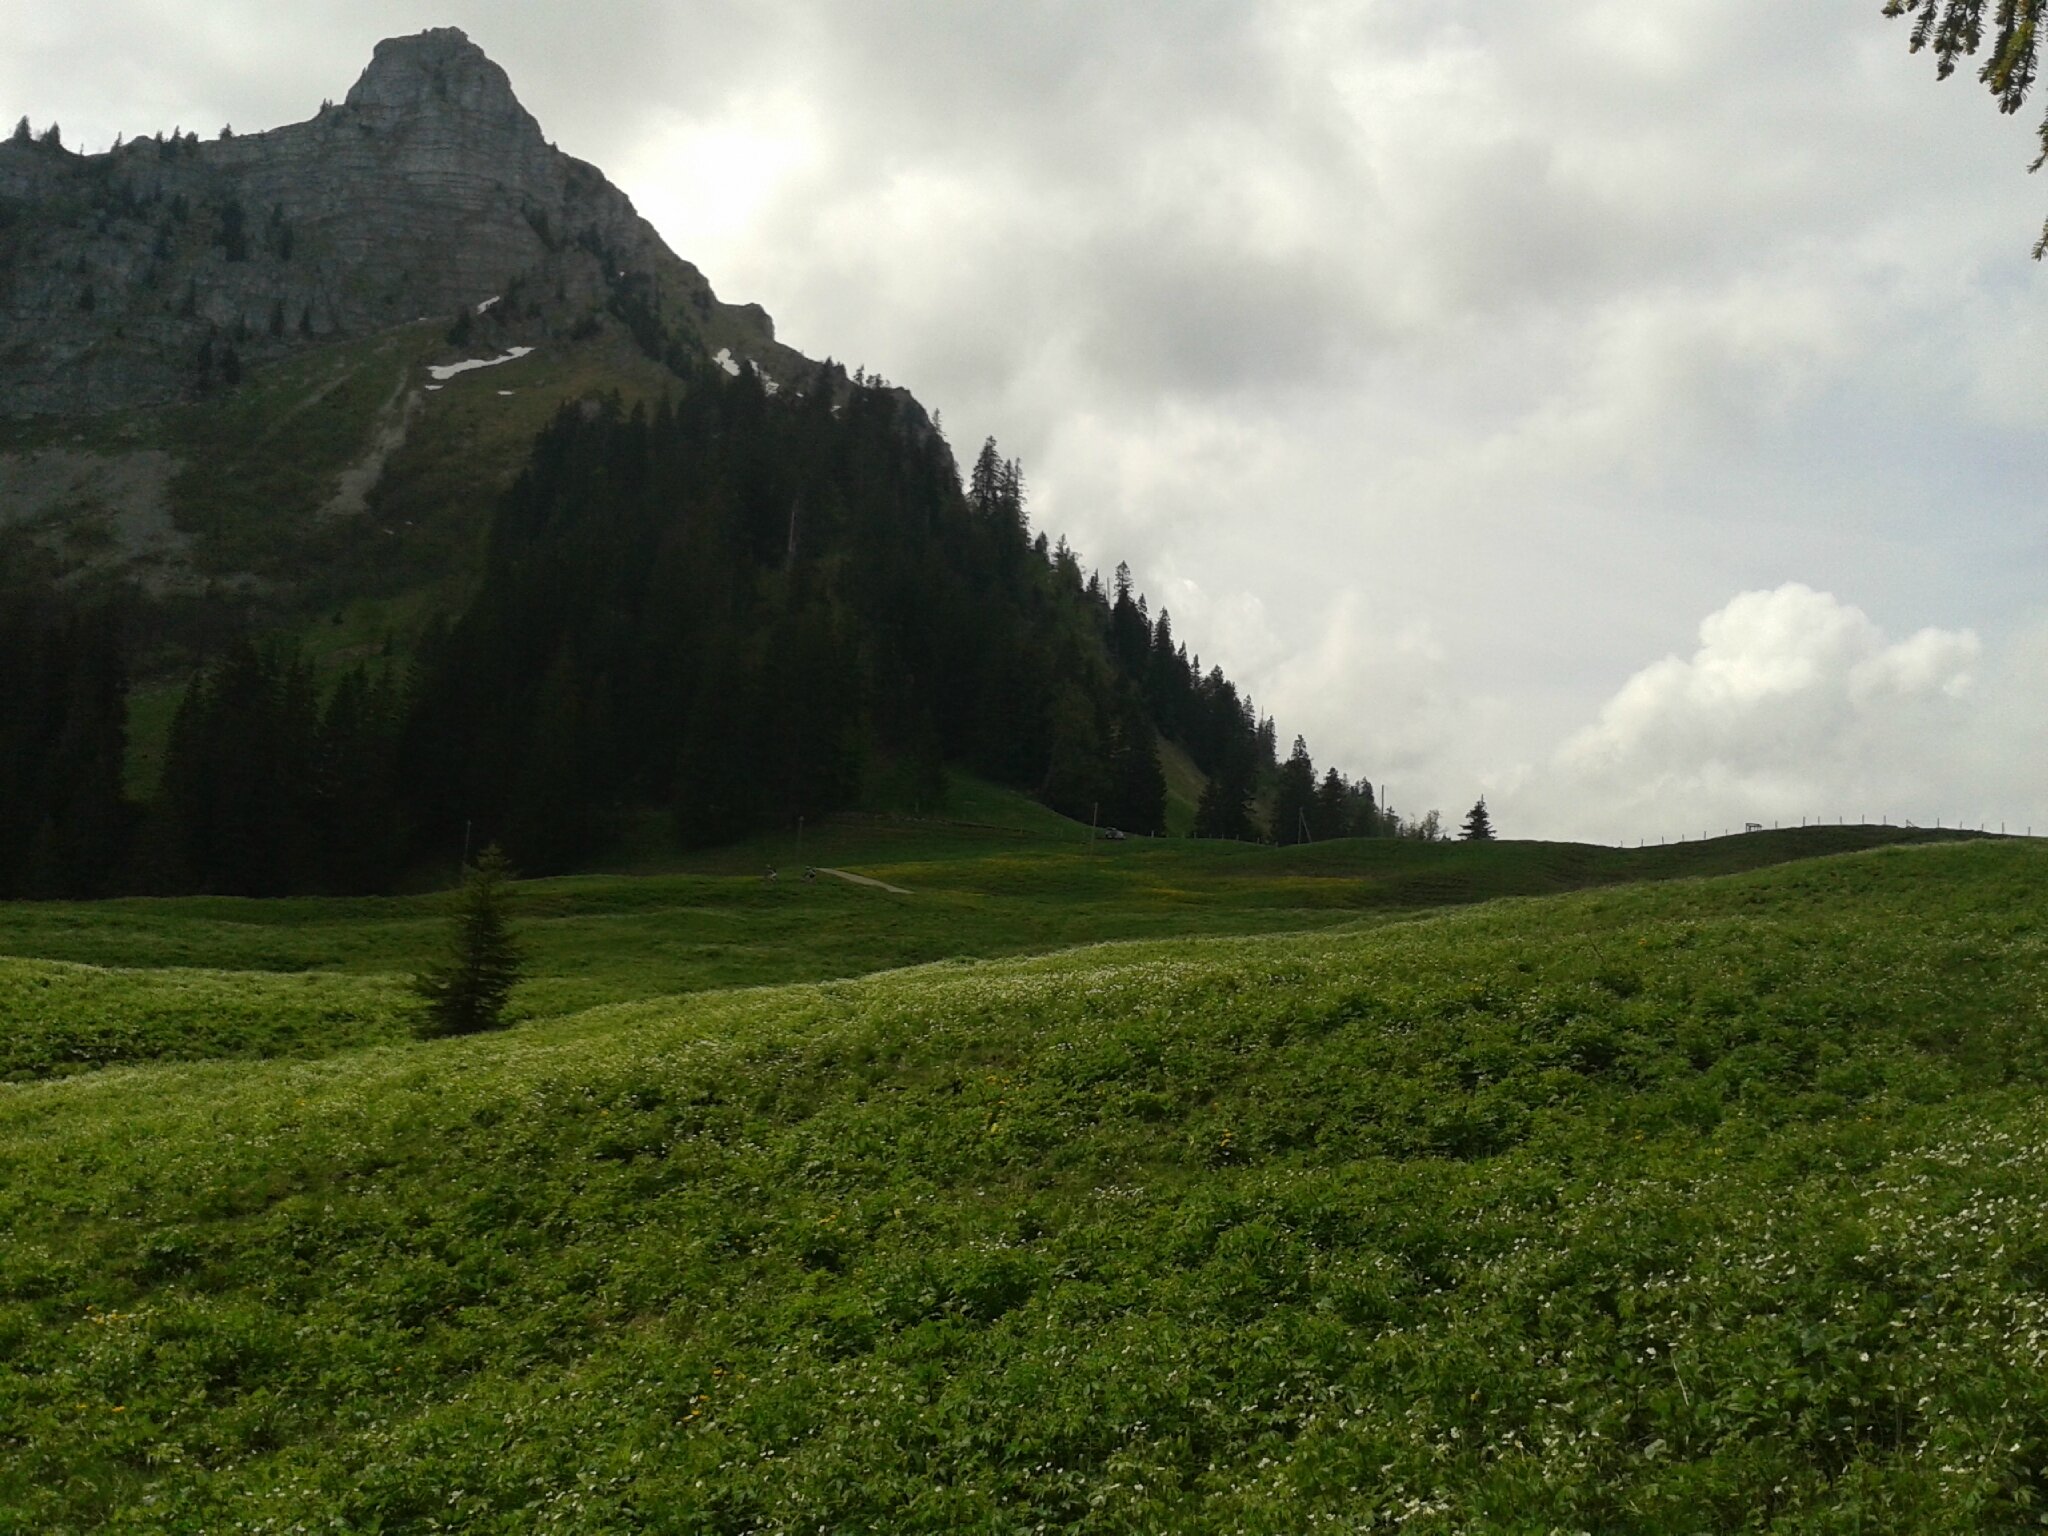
(154, 271)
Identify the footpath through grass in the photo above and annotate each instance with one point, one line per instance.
(1710, 1206)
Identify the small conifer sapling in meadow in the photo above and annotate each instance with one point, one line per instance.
(466, 993)
(1478, 826)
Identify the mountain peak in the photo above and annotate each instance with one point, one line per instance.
(429, 192)
(438, 70)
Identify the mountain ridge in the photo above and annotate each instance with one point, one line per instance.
(515, 529)
(225, 365)
(427, 191)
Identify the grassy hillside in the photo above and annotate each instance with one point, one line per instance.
(1710, 1205)
(57, 1018)
(307, 977)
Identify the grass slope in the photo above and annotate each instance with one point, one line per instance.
(1711, 1205)
(1013, 881)
(67, 1018)
(1184, 785)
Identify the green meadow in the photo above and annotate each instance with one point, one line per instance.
(1109, 1188)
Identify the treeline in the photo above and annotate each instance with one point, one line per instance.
(753, 608)
(268, 788)
(65, 821)
(746, 607)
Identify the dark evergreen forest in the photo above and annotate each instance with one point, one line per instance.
(743, 606)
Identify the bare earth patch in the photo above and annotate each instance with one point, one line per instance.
(394, 420)
(852, 879)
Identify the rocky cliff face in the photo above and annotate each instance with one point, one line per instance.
(161, 269)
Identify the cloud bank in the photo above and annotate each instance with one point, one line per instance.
(1431, 363)
(1797, 707)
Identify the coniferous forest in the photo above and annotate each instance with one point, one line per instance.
(742, 606)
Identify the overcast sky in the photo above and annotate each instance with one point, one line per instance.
(1631, 413)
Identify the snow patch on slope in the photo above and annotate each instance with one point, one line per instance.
(724, 359)
(443, 372)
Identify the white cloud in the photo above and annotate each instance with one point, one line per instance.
(1797, 705)
(1426, 360)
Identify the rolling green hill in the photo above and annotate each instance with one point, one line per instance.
(198, 978)
(1710, 1204)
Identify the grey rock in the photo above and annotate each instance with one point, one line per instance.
(427, 191)
(99, 512)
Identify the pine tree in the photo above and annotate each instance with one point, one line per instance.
(985, 482)
(1010, 500)
(1478, 826)
(1295, 804)
(1363, 818)
(1130, 631)
(1331, 817)
(466, 993)
(23, 134)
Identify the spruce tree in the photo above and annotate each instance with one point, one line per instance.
(1478, 826)
(1364, 818)
(1331, 816)
(466, 993)
(23, 134)
(985, 482)
(1295, 805)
